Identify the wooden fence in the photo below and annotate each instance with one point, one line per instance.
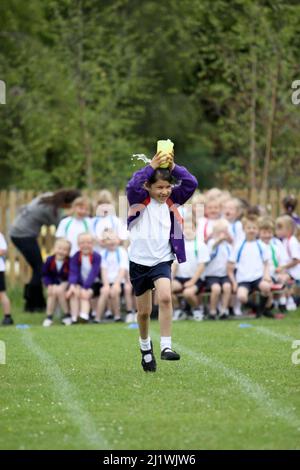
(11, 201)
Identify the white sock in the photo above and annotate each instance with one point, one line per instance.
(165, 342)
(145, 344)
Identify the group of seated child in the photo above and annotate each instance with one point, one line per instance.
(228, 255)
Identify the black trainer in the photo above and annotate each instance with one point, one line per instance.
(7, 320)
(168, 355)
(149, 366)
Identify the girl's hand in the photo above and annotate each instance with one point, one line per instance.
(157, 160)
(189, 283)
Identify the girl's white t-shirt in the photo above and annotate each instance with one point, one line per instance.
(280, 255)
(3, 246)
(150, 236)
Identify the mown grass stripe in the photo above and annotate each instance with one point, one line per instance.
(269, 406)
(67, 394)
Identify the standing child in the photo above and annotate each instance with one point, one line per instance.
(5, 302)
(55, 278)
(79, 222)
(251, 260)
(84, 278)
(156, 235)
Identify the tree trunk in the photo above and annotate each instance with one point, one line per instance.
(253, 120)
(269, 137)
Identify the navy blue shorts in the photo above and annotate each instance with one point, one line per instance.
(142, 277)
(251, 286)
(200, 284)
(211, 280)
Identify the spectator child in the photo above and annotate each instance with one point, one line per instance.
(79, 222)
(84, 278)
(250, 258)
(232, 212)
(55, 278)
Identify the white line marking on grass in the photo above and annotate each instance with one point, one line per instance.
(67, 394)
(267, 332)
(270, 406)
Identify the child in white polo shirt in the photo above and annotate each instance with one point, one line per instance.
(216, 271)
(250, 258)
(285, 228)
(79, 222)
(188, 277)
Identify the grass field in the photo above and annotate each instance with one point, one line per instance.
(82, 387)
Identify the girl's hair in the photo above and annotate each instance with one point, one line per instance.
(252, 218)
(289, 203)
(105, 197)
(162, 174)
(61, 197)
(81, 201)
(64, 241)
(220, 225)
(266, 223)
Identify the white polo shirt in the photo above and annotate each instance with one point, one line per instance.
(71, 227)
(292, 247)
(277, 255)
(250, 265)
(196, 252)
(219, 257)
(113, 261)
(150, 236)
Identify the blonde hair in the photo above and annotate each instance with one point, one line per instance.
(266, 223)
(251, 218)
(105, 197)
(81, 201)
(62, 240)
(84, 234)
(220, 225)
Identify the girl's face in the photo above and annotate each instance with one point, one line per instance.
(213, 210)
(282, 231)
(61, 250)
(160, 191)
(230, 212)
(81, 211)
(85, 243)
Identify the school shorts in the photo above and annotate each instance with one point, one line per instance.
(142, 277)
(2, 282)
(200, 284)
(251, 286)
(220, 280)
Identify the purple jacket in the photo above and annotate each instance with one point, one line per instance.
(138, 199)
(50, 273)
(75, 270)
